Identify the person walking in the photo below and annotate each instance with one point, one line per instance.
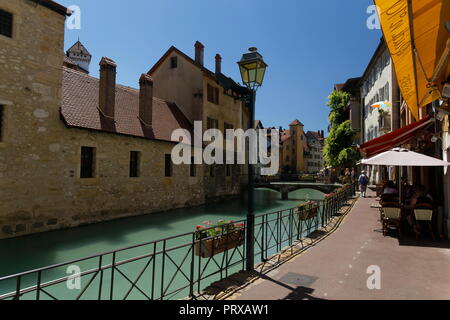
(363, 182)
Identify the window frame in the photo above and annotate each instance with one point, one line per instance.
(168, 166)
(212, 94)
(87, 170)
(212, 123)
(193, 168)
(135, 164)
(11, 26)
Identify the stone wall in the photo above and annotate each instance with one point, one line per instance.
(40, 188)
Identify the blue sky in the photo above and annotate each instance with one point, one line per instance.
(308, 45)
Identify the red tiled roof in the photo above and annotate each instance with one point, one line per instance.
(80, 109)
(315, 134)
(296, 122)
(69, 61)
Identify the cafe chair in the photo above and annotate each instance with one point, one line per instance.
(390, 200)
(424, 216)
(391, 217)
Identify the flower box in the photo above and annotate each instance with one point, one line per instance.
(215, 239)
(210, 247)
(306, 211)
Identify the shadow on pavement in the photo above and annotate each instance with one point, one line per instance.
(423, 242)
(297, 293)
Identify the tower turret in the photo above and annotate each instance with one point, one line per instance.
(80, 56)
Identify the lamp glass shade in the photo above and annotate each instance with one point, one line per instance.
(253, 70)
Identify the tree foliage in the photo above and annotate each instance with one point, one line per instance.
(339, 150)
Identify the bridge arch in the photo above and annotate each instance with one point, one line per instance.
(286, 187)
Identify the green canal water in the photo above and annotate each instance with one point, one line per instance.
(40, 250)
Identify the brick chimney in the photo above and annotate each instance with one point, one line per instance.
(146, 99)
(199, 52)
(218, 64)
(107, 87)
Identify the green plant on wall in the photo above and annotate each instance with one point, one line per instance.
(339, 150)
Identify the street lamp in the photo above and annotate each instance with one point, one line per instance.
(253, 69)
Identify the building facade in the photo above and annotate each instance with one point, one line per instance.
(76, 150)
(292, 149)
(379, 84)
(314, 152)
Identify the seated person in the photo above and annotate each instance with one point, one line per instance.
(390, 188)
(421, 196)
(420, 199)
(390, 193)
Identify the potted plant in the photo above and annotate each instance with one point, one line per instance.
(307, 210)
(218, 238)
(330, 195)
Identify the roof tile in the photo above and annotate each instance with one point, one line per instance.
(80, 109)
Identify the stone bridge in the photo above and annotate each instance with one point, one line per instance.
(285, 187)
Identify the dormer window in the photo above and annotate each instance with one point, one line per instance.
(6, 24)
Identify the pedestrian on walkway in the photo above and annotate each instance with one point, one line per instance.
(363, 182)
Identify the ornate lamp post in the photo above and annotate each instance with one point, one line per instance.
(253, 69)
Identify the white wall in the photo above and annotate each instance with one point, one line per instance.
(378, 77)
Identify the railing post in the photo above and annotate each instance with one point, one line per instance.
(101, 278)
(322, 209)
(191, 280)
(113, 265)
(38, 291)
(162, 269)
(262, 238)
(153, 271)
(17, 296)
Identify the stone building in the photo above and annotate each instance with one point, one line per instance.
(292, 149)
(76, 150)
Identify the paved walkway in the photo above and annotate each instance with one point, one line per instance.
(336, 268)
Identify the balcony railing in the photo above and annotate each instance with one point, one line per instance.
(169, 268)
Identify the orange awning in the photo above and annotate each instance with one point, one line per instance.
(417, 38)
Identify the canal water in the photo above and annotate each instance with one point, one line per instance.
(40, 250)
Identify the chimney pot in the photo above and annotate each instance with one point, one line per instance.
(146, 99)
(218, 64)
(199, 52)
(107, 87)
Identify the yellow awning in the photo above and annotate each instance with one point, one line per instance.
(417, 38)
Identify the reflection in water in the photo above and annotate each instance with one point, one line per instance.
(40, 250)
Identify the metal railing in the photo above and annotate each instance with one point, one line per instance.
(170, 268)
